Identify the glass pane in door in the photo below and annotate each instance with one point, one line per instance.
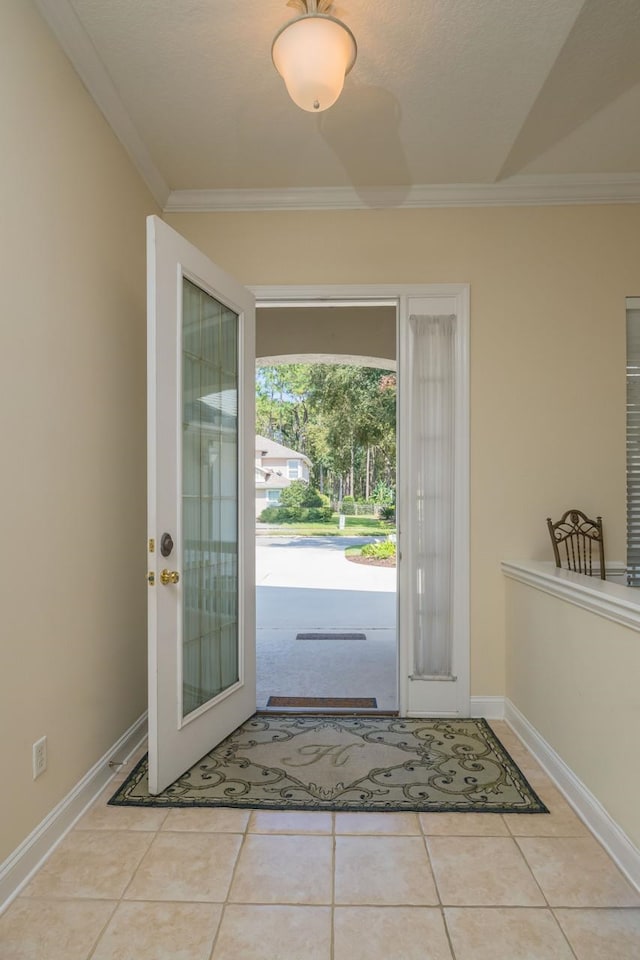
(209, 497)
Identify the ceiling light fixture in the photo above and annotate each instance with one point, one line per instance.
(313, 54)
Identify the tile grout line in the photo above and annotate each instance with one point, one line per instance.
(440, 906)
(92, 950)
(431, 867)
(562, 931)
(374, 904)
(297, 903)
(530, 869)
(126, 887)
(226, 901)
(334, 841)
(137, 867)
(447, 932)
(490, 907)
(433, 874)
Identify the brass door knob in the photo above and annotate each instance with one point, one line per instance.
(169, 576)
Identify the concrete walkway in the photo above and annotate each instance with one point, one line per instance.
(304, 585)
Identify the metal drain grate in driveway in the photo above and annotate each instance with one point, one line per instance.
(331, 636)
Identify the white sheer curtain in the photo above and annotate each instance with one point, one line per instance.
(431, 489)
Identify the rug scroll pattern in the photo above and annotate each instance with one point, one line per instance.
(349, 763)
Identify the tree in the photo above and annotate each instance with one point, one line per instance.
(282, 411)
(300, 494)
(342, 417)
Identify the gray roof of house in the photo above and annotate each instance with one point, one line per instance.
(273, 480)
(270, 448)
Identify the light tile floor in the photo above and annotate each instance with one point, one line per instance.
(130, 884)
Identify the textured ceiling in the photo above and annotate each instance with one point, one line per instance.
(443, 91)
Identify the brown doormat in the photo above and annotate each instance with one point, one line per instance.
(331, 636)
(344, 703)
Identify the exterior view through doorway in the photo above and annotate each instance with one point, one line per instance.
(326, 575)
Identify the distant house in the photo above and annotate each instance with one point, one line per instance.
(276, 467)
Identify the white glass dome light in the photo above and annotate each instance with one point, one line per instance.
(313, 54)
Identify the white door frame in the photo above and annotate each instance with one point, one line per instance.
(419, 299)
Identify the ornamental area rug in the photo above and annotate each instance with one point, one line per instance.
(295, 762)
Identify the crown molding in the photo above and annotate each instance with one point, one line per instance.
(76, 43)
(543, 190)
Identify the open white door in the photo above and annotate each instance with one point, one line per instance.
(201, 409)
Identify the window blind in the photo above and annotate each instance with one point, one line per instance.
(633, 447)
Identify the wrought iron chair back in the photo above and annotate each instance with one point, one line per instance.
(575, 538)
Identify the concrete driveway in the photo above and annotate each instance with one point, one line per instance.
(306, 585)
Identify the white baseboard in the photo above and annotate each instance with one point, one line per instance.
(610, 835)
(491, 708)
(19, 867)
(431, 715)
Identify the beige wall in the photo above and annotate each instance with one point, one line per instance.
(548, 289)
(72, 428)
(547, 394)
(574, 675)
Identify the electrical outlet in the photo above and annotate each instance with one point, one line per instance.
(39, 757)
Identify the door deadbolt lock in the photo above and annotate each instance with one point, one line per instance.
(166, 544)
(169, 576)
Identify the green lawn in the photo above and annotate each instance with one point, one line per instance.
(354, 527)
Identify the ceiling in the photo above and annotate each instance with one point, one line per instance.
(449, 101)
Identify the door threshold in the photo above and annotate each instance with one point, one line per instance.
(326, 711)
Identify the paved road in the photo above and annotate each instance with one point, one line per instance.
(305, 584)
(318, 561)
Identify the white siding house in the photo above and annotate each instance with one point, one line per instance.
(276, 467)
